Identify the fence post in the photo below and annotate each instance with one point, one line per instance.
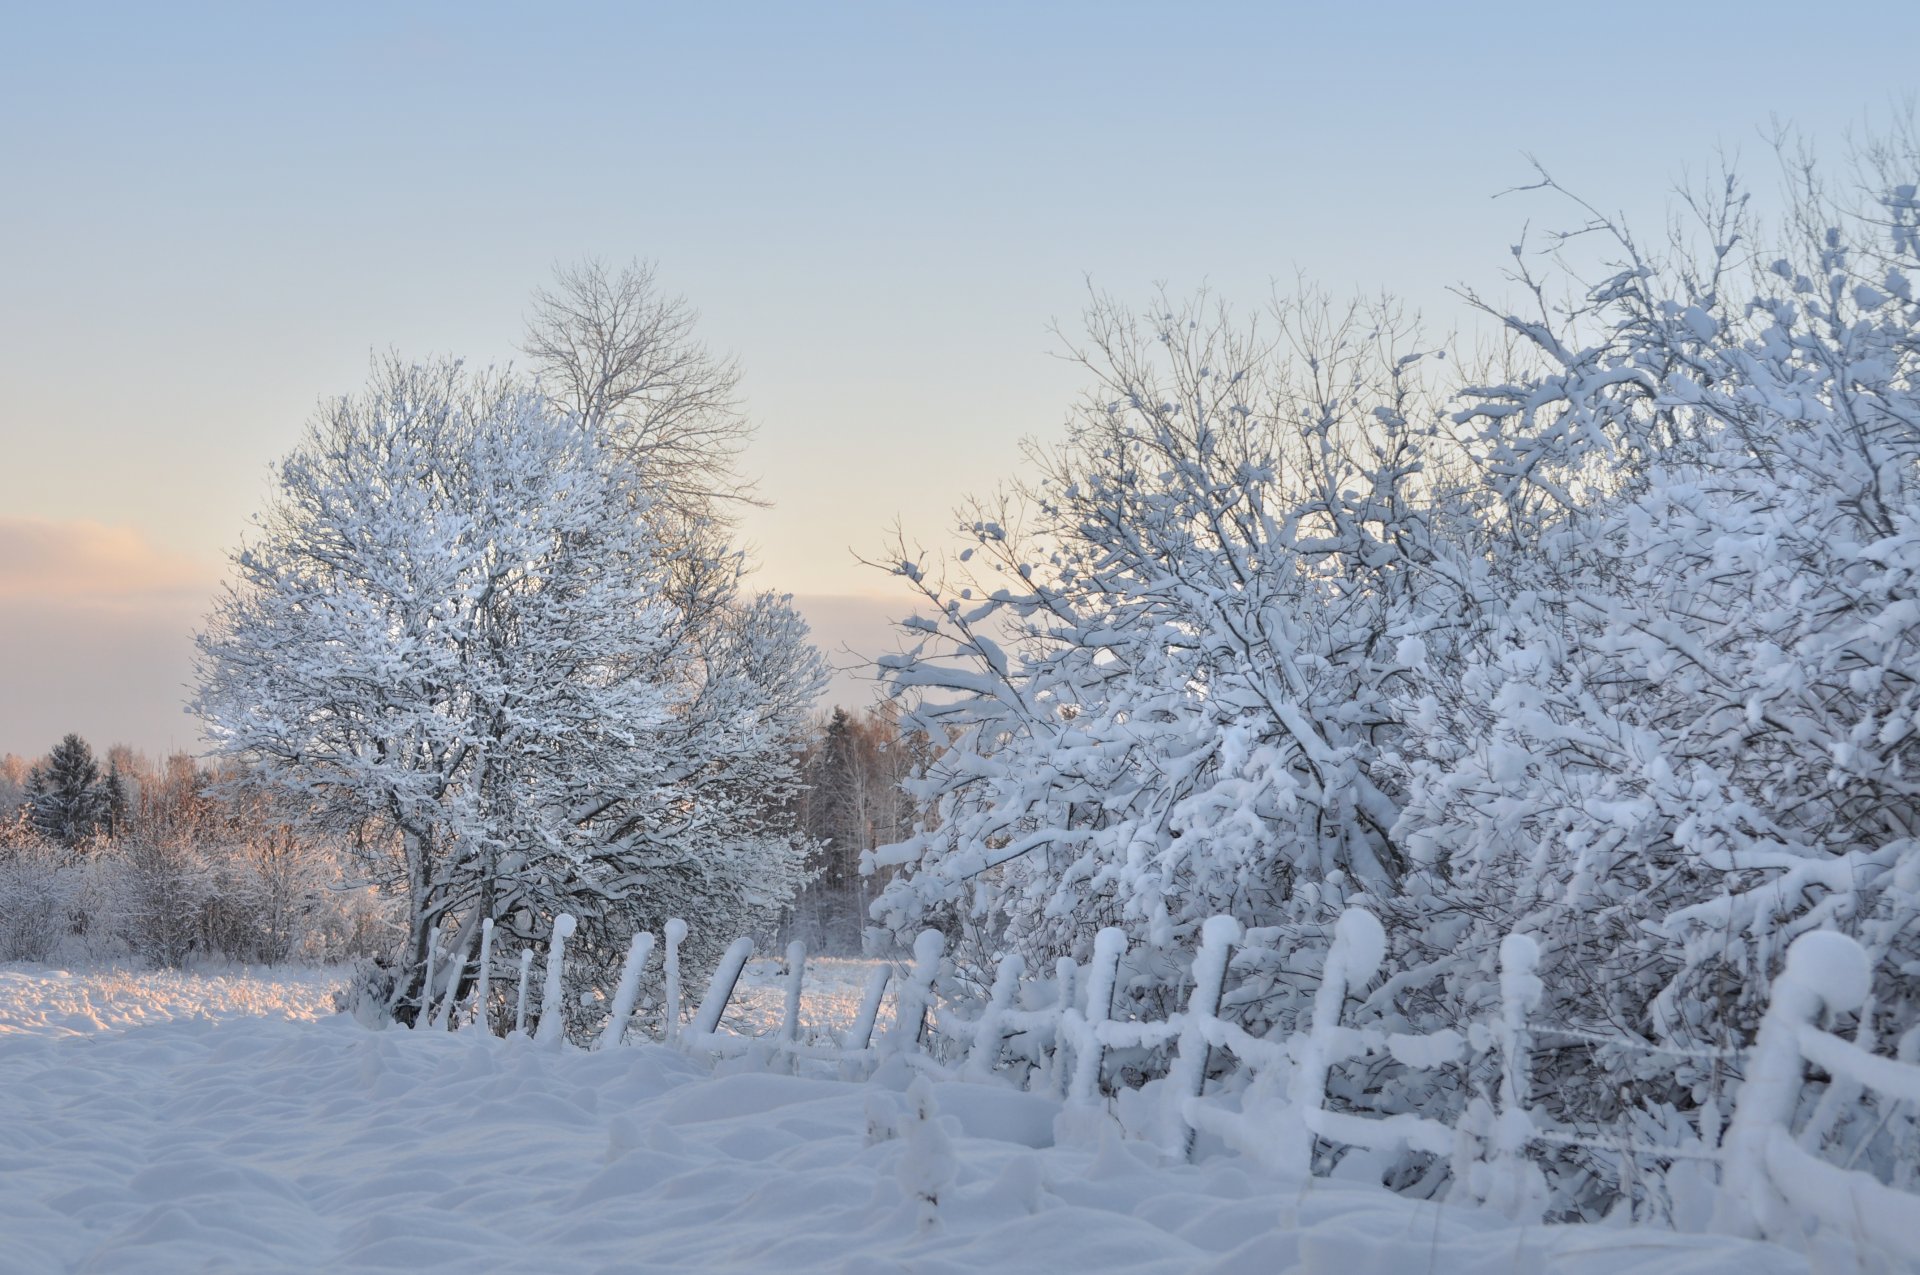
(676, 931)
(443, 1021)
(796, 969)
(1065, 975)
(706, 1020)
(1359, 945)
(553, 1008)
(989, 1032)
(910, 1004)
(520, 1005)
(860, 1035)
(1824, 969)
(1109, 945)
(1188, 1075)
(627, 992)
(1518, 1189)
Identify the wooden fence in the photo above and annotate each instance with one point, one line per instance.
(1768, 1179)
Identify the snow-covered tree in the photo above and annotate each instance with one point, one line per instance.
(850, 801)
(452, 630)
(1172, 684)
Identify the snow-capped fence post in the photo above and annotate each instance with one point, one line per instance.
(676, 931)
(860, 1036)
(1517, 1187)
(1768, 1183)
(1065, 975)
(1089, 1049)
(984, 1055)
(628, 990)
(790, 1012)
(1188, 1075)
(910, 1007)
(553, 1008)
(1359, 944)
(520, 1003)
(486, 974)
(706, 1020)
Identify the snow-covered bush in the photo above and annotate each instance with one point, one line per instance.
(39, 885)
(1619, 648)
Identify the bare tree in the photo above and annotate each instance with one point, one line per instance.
(612, 347)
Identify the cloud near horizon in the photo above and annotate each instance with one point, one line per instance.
(852, 631)
(78, 561)
(97, 636)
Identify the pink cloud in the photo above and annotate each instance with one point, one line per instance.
(96, 636)
(89, 562)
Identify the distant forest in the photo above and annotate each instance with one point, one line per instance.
(116, 855)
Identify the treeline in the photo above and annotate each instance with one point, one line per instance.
(167, 863)
(178, 860)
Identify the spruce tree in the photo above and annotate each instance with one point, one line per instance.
(836, 820)
(65, 794)
(115, 800)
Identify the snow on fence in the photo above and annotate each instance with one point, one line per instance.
(1768, 1179)
(1765, 1174)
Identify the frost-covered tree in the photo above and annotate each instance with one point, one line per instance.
(452, 631)
(116, 801)
(1171, 681)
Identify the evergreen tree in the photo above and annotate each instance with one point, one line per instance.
(115, 802)
(67, 799)
(841, 821)
(851, 800)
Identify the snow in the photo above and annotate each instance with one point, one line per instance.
(1834, 966)
(1364, 942)
(210, 1124)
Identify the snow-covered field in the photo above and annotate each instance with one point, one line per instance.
(830, 996)
(56, 1002)
(157, 1123)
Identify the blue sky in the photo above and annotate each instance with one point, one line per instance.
(210, 215)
